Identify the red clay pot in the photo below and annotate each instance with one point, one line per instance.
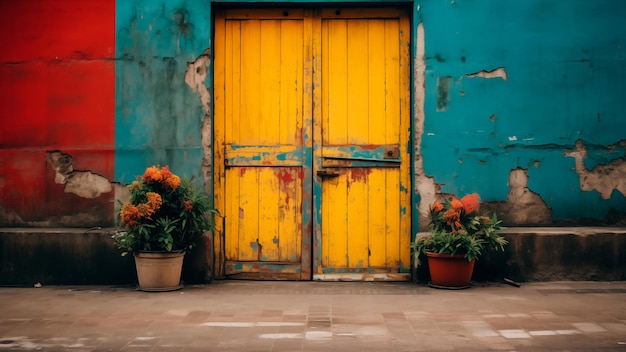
(450, 271)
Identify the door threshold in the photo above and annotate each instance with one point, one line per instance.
(363, 277)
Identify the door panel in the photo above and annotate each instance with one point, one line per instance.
(311, 143)
(362, 157)
(260, 81)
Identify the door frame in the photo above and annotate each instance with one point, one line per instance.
(311, 250)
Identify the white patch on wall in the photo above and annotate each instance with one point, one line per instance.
(499, 72)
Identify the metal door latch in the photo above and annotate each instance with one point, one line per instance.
(327, 173)
(390, 152)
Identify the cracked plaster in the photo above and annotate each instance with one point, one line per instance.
(603, 178)
(195, 77)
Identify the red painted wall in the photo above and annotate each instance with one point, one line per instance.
(57, 92)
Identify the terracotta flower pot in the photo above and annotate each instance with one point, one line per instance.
(159, 271)
(447, 271)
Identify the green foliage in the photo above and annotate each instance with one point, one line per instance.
(457, 228)
(165, 213)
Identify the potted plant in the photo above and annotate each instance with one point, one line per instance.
(164, 218)
(458, 236)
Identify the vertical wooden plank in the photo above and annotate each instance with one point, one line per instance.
(392, 216)
(318, 36)
(378, 218)
(219, 177)
(230, 211)
(251, 82)
(335, 68)
(357, 225)
(289, 218)
(335, 221)
(291, 78)
(377, 122)
(269, 83)
(306, 126)
(233, 81)
(356, 118)
(405, 113)
(391, 95)
(269, 193)
(248, 214)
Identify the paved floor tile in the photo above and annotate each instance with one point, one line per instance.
(316, 316)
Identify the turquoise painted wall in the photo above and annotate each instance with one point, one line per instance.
(565, 82)
(157, 117)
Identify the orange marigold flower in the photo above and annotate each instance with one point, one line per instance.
(456, 204)
(188, 205)
(471, 203)
(172, 182)
(145, 210)
(451, 215)
(128, 213)
(152, 174)
(154, 201)
(135, 185)
(437, 206)
(165, 172)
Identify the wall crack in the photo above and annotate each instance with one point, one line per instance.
(84, 184)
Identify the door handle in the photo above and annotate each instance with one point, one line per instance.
(327, 173)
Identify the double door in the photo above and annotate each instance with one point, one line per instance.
(311, 143)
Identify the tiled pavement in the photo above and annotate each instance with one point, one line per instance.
(316, 316)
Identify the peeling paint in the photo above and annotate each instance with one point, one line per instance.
(499, 72)
(84, 184)
(195, 77)
(424, 185)
(603, 178)
(443, 92)
(523, 206)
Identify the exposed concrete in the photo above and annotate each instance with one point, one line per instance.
(568, 253)
(63, 256)
(88, 216)
(523, 207)
(424, 185)
(499, 72)
(122, 195)
(603, 178)
(195, 77)
(88, 256)
(84, 184)
(552, 254)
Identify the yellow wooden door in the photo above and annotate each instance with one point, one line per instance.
(362, 156)
(261, 123)
(311, 132)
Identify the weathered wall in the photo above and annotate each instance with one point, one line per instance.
(62, 256)
(92, 94)
(158, 116)
(519, 102)
(523, 104)
(57, 77)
